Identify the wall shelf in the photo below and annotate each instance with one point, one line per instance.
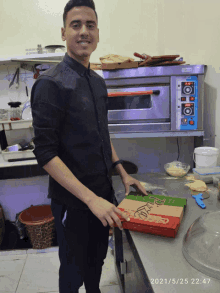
(34, 58)
(28, 62)
(19, 124)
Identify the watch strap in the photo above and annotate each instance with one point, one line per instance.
(116, 163)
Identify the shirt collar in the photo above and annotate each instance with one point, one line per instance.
(75, 65)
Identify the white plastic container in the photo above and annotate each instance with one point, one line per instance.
(205, 157)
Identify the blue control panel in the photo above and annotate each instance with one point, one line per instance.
(187, 103)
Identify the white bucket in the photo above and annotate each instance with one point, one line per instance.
(205, 157)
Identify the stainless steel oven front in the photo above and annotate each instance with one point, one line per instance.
(155, 99)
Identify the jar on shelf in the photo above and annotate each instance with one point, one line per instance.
(15, 111)
(4, 115)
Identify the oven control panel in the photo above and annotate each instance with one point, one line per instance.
(187, 103)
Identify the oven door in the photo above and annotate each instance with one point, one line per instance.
(139, 112)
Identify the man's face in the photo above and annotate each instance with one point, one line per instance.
(81, 33)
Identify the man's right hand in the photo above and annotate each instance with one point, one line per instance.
(106, 212)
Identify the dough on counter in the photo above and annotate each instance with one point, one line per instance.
(143, 183)
(197, 185)
(191, 178)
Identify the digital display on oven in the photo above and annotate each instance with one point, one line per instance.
(129, 102)
(188, 88)
(189, 83)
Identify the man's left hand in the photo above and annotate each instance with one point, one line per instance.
(130, 181)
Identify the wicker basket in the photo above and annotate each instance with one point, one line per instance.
(2, 225)
(40, 225)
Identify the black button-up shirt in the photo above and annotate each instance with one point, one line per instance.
(69, 109)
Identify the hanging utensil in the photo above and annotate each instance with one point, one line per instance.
(26, 91)
(16, 73)
(17, 85)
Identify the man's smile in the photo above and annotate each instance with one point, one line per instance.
(84, 42)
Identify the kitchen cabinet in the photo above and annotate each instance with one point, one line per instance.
(151, 263)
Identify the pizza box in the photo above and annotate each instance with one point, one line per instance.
(124, 65)
(153, 214)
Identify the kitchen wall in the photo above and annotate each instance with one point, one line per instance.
(125, 27)
(121, 23)
(186, 27)
(191, 29)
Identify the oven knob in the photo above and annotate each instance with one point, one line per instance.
(187, 111)
(187, 90)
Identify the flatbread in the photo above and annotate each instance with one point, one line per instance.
(197, 185)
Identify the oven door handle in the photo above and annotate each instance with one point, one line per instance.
(121, 94)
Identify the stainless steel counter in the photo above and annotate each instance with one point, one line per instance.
(161, 257)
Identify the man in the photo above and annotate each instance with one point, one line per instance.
(72, 143)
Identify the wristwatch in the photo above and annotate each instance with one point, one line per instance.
(116, 163)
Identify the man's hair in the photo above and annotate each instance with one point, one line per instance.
(75, 3)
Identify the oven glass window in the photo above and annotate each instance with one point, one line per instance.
(133, 102)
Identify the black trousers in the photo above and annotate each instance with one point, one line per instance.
(83, 245)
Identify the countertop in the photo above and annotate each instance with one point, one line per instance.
(20, 169)
(4, 163)
(162, 257)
